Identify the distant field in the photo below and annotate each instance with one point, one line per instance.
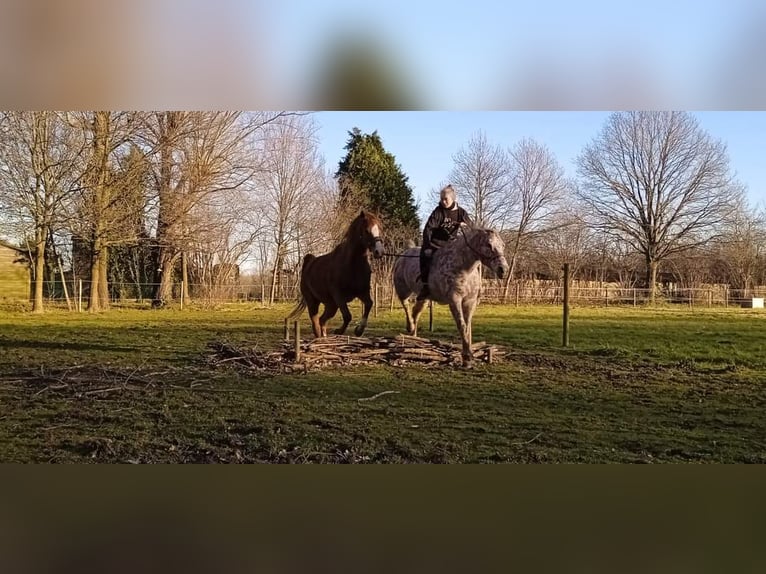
(636, 385)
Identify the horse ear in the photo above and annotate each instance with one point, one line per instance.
(361, 213)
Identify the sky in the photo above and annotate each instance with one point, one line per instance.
(424, 142)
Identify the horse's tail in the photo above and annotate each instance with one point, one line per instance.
(299, 308)
(301, 304)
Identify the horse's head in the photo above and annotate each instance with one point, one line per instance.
(490, 249)
(367, 229)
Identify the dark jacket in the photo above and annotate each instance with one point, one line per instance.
(443, 223)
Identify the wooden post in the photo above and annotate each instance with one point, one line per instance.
(392, 299)
(287, 330)
(430, 315)
(634, 296)
(183, 287)
(565, 332)
(79, 297)
(709, 297)
(375, 302)
(517, 293)
(606, 296)
(263, 294)
(297, 341)
(726, 296)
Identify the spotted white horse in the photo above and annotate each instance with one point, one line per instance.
(454, 279)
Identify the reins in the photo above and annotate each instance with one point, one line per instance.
(465, 238)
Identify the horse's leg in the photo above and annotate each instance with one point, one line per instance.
(469, 306)
(313, 308)
(329, 312)
(367, 300)
(407, 315)
(456, 308)
(416, 311)
(343, 306)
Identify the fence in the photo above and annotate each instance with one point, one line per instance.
(493, 292)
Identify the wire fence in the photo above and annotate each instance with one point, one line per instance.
(520, 293)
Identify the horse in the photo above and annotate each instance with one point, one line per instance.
(340, 276)
(454, 278)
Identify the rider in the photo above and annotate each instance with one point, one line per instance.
(441, 226)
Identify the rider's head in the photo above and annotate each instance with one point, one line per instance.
(447, 197)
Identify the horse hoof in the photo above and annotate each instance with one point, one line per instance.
(339, 331)
(359, 330)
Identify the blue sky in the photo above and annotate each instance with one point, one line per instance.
(424, 142)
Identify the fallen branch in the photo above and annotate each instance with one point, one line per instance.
(373, 397)
(527, 441)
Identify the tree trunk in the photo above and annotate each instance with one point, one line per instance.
(512, 270)
(163, 278)
(274, 281)
(185, 276)
(651, 278)
(103, 283)
(95, 279)
(37, 303)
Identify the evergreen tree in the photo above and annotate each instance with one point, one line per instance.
(370, 176)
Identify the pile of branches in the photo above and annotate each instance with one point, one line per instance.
(346, 350)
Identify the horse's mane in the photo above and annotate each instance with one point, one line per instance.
(355, 228)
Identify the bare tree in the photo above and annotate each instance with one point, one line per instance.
(742, 247)
(40, 171)
(480, 174)
(291, 171)
(195, 155)
(536, 186)
(569, 241)
(657, 181)
(113, 196)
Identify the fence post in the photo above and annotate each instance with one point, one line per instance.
(430, 315)
(79, 297)
(517, 293)
(634, 296)
(297, 341)
(606, 296)
(182, 294)
(726, 296)
(375, 302)
(709, 297)
(392, 299)
(287, 330)
(565, 331)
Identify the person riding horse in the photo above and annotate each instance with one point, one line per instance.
(441, 227)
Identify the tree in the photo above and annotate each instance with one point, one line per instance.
(195, 156)
(40, 171)
(536, 186)
(742, 248)
(113, 197)
(657, 181)
(481, 176)
(369, 175)
(289, 176)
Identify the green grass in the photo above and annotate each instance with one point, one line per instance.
(636, 385)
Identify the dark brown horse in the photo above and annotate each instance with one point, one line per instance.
(339, 277)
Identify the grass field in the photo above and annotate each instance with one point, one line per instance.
(636, 385)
